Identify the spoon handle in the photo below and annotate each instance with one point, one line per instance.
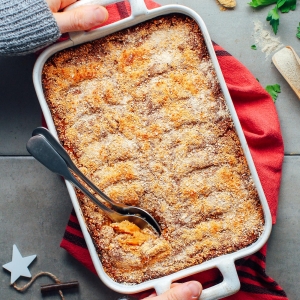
(42, 151)
(63, 153)
(61, 164)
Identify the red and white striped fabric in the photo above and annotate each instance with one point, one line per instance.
(259, 120)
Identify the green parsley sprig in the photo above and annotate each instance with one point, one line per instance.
(259, 3)
(273, 18)
(284, 6)
(273, 90)
(298, 31)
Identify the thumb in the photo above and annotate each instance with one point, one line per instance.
(81, 18)
(186, 291)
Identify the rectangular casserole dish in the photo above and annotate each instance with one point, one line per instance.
(225, 263)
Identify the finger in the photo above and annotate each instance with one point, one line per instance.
(56, 5)
(175, 284)
(154, 293)
(187, 291)
(65, 3)
(81, 18)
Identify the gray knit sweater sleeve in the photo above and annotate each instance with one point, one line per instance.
(26, 26)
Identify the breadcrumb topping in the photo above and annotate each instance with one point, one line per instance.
(142, 114)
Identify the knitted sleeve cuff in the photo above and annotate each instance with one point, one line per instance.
(26, 26)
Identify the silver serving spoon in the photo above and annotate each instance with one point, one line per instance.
(44, 151)
(119, 207)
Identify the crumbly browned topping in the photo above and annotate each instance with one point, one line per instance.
(142, 114)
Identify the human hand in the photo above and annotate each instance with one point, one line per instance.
(81, 18)
(180, 291)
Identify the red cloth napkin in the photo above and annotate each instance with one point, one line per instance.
(259, 120)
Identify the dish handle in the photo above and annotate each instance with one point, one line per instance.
(230, 284)
(138, 7)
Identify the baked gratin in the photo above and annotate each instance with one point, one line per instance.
(142, 114)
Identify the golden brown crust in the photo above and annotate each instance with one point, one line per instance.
(142, 114)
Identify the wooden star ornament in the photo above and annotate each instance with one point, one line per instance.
(19, 265)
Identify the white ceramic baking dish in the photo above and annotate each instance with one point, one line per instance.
(225, 263)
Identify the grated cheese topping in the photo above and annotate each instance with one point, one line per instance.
(142, 114)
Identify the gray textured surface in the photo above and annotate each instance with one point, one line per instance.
(34, 210)
(34, 203)
(284, 243)
(19, 108)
